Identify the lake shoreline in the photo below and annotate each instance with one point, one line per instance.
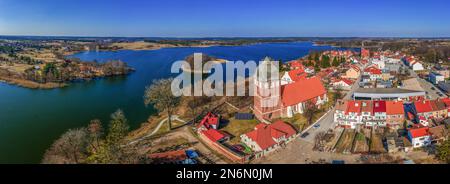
(30, 84)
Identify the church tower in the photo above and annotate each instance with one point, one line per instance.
(267, 98)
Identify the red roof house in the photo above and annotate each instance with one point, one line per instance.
(379, 107)
(210, 121)
(266, 136)
(297, 74)
(423, 106)
(354, 107)
(394, 108)
(372, 70)
(214, 135)
(419, 131)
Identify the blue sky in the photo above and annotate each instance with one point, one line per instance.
(227, 18)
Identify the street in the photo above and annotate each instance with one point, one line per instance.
(429, 88)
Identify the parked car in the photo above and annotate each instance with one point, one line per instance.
(304, 135)
(316, 126)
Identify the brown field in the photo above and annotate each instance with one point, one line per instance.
(345, 142)
(360, 144)
(376, 144)
(31, 84)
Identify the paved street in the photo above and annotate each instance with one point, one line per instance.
(327, 122)
(426, 85)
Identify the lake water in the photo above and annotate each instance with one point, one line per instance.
(30, 120)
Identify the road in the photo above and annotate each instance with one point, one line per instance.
(327, 121)
(426, 85)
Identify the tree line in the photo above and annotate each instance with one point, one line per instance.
(94, 145)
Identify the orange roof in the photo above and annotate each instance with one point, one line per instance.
(297, 74)
(302, 90)
(355, 68)
(341, 105)
(373, 70)
(214, 135)
(393, 108)
(366, 106)
(419, 132)
(423, 106)
(354, 106)
(264, 134)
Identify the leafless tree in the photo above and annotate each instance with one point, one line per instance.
(70, 148)
(159, 94)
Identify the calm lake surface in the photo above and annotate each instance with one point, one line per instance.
(30, 120)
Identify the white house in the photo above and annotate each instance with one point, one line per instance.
(419, 136)
(266, 138)
(343, 84)
(380, 63)
(435, 78)
(416, 66)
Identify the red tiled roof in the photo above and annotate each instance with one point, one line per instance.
(373, 70)
(446, 101)
(379, 106)
(297, 74)
(209, 119)
(423, 106)
(213, 134)
(366, 106)
(296, 64)
(264, 134)
(354, 106)
(419, 132)
(302, 90)
(355, 68)
(393, 108)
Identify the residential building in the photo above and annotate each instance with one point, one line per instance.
(367, 113)
(443, 71)
(379, 62)
(395, 114)
(416, 66)
(423, 108)
(379, 113)
(353, 72)
(353, 114)
(436, 78)
(266, 138)
(419, 136)
(438, 134)
(439, 109)
(365, 54)
(343, 84)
